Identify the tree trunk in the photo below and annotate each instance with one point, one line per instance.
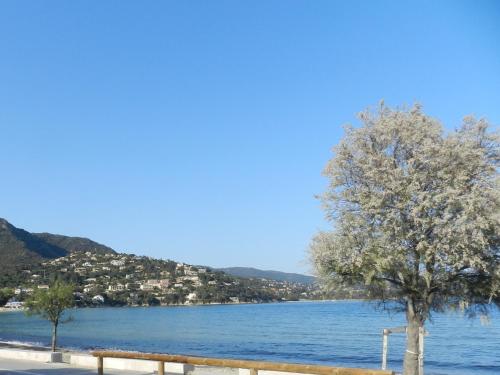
(54, 336)
(410, 365)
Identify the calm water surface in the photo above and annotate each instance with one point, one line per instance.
(343, 333)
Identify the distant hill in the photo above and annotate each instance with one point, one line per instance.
(255, 273)
(19, 248)
(74, 244)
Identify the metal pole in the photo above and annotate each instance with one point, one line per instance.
(384, 348)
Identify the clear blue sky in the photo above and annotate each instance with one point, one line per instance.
(197, 131)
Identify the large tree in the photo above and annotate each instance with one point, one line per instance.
(415, 213)
(50, 304)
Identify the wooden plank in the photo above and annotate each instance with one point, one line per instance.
(253, 371)
(247, 364)
(161, 368)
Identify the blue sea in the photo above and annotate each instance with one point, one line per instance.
(342, 333)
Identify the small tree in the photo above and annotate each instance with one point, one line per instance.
(5, 295)
(416, 216)
(50, 304)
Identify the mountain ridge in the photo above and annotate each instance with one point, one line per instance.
(74, 244)
(251, 272)
(20, 248)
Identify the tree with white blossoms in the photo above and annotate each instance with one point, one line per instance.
(416, 216)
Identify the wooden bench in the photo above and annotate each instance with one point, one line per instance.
(253, 366)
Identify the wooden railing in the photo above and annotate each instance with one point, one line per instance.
(253, 366)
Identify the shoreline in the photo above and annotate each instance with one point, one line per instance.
(22, 309)
(7, 309)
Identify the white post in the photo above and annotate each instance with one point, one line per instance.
(384, 348)
(385, 343)
(421, 332)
